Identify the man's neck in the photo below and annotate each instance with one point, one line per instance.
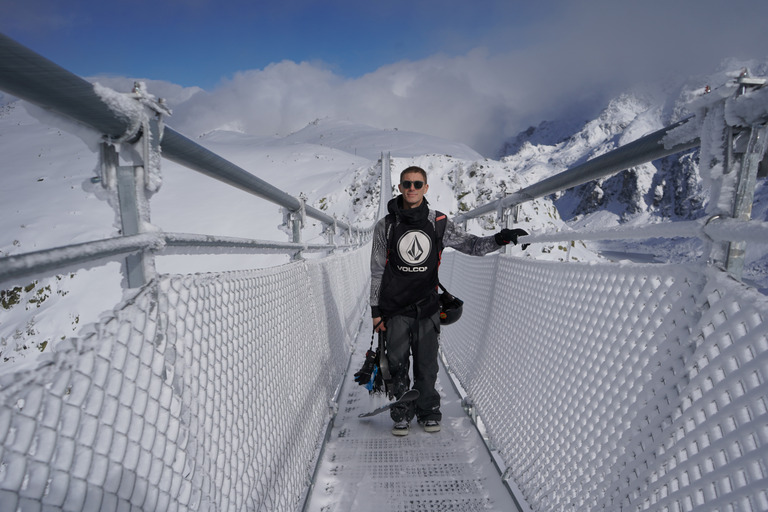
(407, 206)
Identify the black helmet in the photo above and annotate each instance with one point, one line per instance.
(450, 308)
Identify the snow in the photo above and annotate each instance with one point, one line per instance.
(123, 106)
(449, 470)
(50, 199)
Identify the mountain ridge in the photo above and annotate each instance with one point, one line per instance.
(51, 197)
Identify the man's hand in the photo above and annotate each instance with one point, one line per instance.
(505, 236)
(378, 324)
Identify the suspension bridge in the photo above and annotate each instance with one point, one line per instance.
(566, 386)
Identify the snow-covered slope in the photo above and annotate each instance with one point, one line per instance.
(370, 142)
(666, 190)
(49, 198)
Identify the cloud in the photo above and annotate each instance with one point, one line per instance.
(457, 99)
(564, 63)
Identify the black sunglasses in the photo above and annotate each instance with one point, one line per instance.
(416, 184)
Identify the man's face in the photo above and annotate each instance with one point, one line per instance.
(412, 196)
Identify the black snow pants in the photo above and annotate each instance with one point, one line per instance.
(407, 335)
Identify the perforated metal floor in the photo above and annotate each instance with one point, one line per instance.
(365, 468)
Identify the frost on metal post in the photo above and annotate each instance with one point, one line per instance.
(144, 116)
(731, 122)
(293, 222)
(130, 186)
(329, 230)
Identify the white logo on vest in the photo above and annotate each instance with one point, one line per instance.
(414, 247)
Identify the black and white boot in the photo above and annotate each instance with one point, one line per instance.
(401, 428)
(430, 425)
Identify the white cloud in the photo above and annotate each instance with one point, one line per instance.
(456, 98)
(574, 57)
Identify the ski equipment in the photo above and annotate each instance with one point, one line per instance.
(408, 396)
(430, 426)
(401, 428)
(367, 372)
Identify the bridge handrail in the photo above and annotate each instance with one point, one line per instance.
(713, 229)
(643, 150)
(178, 148)
(31, 77)
(730, 127)
(91, 253)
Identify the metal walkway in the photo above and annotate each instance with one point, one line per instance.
(365, 467)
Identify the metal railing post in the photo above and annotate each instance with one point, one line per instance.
(123, 180)
(508, 218)
(503, 217)
(330, 233)
(296, 219)
(128, 177)
(385, 193)
(130, 183)
(745, 194)
(296, 228)
(744, 148)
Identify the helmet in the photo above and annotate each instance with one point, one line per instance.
(450, 308)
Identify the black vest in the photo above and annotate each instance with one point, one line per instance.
(410, 280)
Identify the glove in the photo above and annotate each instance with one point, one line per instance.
(505, 236)
(363, 377)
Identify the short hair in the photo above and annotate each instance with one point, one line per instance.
(414, 168)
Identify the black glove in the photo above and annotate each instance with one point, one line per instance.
(505, 236)
(363, 377)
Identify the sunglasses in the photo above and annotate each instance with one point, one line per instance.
(416, 184)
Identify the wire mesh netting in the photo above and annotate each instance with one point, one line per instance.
(602, 386)
(609, 387)
(202, 392)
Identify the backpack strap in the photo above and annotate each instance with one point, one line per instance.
(389, 225)
(440, 222)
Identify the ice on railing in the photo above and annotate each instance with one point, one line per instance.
(137, 108)
(602, 387)
(712, 113)
(201, 392)
(616, 387)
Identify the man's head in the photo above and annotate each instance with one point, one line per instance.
(413, 186)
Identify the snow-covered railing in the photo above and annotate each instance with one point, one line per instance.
(615, 387)
(629, 387)
(93, 252)
(199, 392)
(731, 128)
(135, 123)
(643, 150)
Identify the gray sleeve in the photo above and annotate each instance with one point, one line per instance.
(458, 239)
(378, 261)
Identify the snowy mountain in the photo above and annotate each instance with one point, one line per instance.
(50, 198)
(666, 190)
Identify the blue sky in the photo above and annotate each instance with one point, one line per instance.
(474, 71)
(199, 42)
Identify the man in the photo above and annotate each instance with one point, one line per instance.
(404, 300)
